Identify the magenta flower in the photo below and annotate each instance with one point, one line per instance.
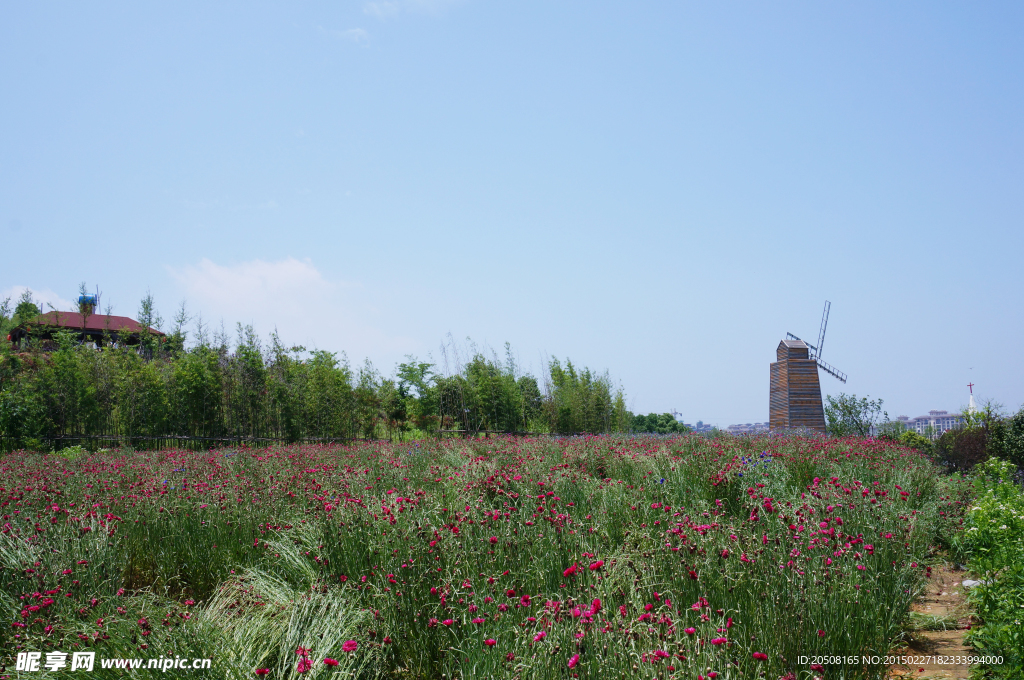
(760, 656)
(574, 660)
(690, 631)
(594, 566)
(490, 642)
(349, 646)
(718, 640)
(331, 662)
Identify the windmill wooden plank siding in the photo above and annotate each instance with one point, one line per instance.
(795, 398)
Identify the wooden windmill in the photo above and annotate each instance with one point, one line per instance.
(795, 399)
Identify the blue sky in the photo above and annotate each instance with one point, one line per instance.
(660, 189)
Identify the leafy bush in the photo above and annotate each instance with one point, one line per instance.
(916, 441)
(71, 452)
(846, 415)
(664, 423)
(995, 544)
(960, 449)
(1013, 438)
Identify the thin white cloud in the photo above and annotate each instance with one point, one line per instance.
(357, 35)
(44, 297)
(292, 296)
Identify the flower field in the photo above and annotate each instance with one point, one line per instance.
(599, 557)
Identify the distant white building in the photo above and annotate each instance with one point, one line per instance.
(701, 426)
(747, 428)
(938, 421)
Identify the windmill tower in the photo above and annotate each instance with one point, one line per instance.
(795, 399)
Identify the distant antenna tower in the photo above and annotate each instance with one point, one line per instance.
(795, 396)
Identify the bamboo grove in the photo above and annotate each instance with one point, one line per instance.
(157, 395)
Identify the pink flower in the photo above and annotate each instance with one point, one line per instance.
(331, 662)
(821, 633)
(525, 601)
(595, 606)
(574, 660)
(690, 631)
(718, 641)
(594, 566)
(661, 654)
(760, 656)
(304, 665)
(539, 636)
(570, 571)
(861, 567)
(448, 622)
(262, 671)
(494, 540)
(478, 621)
(490, 642)
(349, 646)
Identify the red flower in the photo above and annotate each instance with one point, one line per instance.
(510, 593)
(490, 642)
(349, 646)
(304, 665)
(691, 631)
(262, 671)
(718, 641)
(331, 662)
(494, 540)
(594, 566)
(574, 660)
(570, 571)
(760, 656)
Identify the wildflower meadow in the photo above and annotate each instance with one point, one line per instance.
(576, 557)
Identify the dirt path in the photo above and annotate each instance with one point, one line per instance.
(944, 599)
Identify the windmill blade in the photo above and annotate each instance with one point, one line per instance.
(831, 370)
(821, 332)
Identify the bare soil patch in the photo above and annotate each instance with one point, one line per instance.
(943, 605)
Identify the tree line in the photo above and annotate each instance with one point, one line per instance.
(981, 433)
(214, 389)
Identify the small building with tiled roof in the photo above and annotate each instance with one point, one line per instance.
(92, 328)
